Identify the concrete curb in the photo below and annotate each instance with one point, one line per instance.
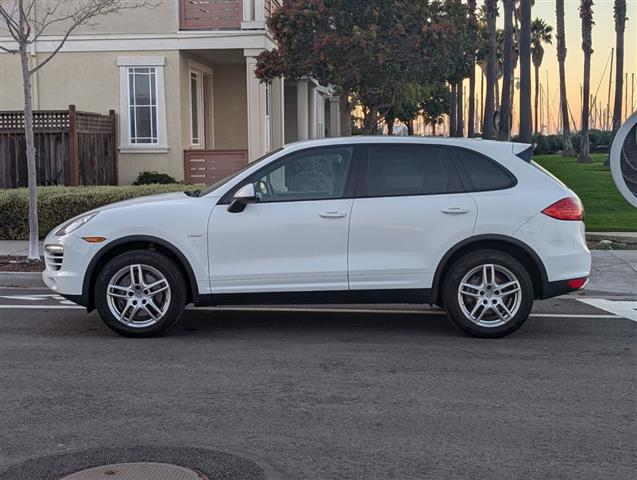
(21, 280)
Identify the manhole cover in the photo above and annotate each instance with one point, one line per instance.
(136, 471)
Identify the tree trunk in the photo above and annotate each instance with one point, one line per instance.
(504, 132)
(345, 111)
(525, 72)
(567, 143)
(389, 121)
(586, 15)
(471, 114)
(433, 128)
(620, 23)
(34, 247)
(453, 117)
(537, 99)
(410, 128)
(487, 126)
(459, 111)
(370, 121)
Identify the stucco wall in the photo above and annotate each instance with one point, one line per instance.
(230, 106)
(90, 80)
(160, 17)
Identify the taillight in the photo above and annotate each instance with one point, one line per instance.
(569, 208)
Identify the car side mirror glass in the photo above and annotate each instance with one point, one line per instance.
(242, 197)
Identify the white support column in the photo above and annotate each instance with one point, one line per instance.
(302, 115)
(256, 107)
(313, 114)
(253, 15)
(278, 113)
(335, 118)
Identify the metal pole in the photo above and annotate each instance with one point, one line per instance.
(548, 112)
(625, 95)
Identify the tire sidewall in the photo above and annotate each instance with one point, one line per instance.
(158, 261)
(463, 265)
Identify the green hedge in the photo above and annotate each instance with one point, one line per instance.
(58, 204)
(600, 141)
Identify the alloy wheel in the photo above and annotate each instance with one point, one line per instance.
(490, 295)
(138, 295)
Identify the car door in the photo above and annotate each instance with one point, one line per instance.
(294, 238)
(410, 208)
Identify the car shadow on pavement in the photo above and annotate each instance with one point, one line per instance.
(313, 322)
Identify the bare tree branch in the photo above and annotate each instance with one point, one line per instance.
(8, 50)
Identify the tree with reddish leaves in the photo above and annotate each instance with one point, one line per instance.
(369, 49)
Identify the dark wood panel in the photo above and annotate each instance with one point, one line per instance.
(72, 148)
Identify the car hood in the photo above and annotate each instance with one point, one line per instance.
(159, 198)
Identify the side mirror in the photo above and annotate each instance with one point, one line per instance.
(242, 197)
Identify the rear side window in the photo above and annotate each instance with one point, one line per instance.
(395, 170)
(479, 173)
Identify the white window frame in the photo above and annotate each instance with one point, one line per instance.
(201, 139)
(125, 64)
(268, 117)
(205, 73)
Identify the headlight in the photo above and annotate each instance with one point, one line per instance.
(74, 224)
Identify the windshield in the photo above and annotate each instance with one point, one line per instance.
(212, 187)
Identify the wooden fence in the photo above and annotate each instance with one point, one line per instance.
(72, 148)
(208, 166)
(210, 14)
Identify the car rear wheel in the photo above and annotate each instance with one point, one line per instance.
(488, 293)
(140, 293)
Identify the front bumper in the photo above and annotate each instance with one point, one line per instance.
(67, 278)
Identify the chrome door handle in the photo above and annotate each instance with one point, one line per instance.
(332, 214)
(454, 210)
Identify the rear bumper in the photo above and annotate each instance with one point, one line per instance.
(561, 246)
(560, 287)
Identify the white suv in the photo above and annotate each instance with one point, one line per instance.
(474, 226)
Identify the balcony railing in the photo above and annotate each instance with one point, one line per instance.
(225, 14)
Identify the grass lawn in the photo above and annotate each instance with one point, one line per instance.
(606, 209)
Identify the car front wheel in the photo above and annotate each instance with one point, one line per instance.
(488, 293)
(140, 293)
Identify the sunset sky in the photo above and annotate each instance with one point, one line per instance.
(603, 41)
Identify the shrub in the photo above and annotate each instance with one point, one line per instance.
(58, 204)
(154, 177)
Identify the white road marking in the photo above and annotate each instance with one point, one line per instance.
(37, 298)
(626, 309)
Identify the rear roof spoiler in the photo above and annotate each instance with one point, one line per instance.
(523, 151)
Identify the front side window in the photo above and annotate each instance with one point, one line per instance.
(309, 175)
(395, 170)
(142, 105)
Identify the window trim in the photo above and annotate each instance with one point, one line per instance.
(362, 191)
(199, 78)
(350, 182)
(126, 146)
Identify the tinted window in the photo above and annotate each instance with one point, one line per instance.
(314, 174)
(409, 170)
(480, 173)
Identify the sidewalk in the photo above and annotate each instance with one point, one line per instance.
(19, 248)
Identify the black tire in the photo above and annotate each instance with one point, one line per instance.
(162, 264)
(466, 264)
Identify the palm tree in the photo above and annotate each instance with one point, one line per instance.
(505, 105)
(491, 11)
(525, 71)
(471, 114)
(567, 143)
(586, 14)
(620, 25)
(540, 33)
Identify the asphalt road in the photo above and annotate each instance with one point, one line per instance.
(321, 394)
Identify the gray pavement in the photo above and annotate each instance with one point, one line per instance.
(320, 394)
